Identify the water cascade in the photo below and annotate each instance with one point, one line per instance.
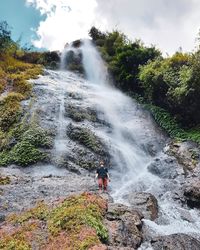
(132, 134)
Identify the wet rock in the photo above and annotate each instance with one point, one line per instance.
(165, 168)
(79, 114)
(192, 193)
(2, 218)
(175, 242)
(79, 158)
(187, 154)
(145, 203)
(87, 138)
(124, 226)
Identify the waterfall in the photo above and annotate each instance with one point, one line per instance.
(94, 66)
(132, 133)
(129, 135)
(64, 60)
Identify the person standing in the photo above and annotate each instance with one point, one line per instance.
(102, 176)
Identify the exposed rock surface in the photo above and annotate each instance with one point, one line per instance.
(165, 167)
(175, 242)
(124, 225)
(145, 203)
(187, 154)
(192, 192)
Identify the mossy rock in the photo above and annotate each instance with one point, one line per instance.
(74, 223)
(25, 153)
(78, 114)
(10, 110)
(87, 138)
(4, 180)
(29, 148)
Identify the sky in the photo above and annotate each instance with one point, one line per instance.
(168, 24)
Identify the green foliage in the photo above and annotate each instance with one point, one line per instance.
(28, 149)
(5, 36)
(24, 153)
(87, 138)
(4, 180)
(75, 223)
(172, 83)
(170, 125)
(10, 110)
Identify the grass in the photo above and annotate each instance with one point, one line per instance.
(74, 223)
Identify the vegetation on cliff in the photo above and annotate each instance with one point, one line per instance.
(20, 137)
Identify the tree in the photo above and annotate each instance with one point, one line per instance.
(5, 36)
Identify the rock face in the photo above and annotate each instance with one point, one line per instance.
(145, 203)
(165, 168)
(175, 242)
(124, 226)
(187, 154)
(192, 193)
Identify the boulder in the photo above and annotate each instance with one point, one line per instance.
(187, 154)
(124, 225)
(192, 193)
(145, 203)
(175, 242)
(165, 167)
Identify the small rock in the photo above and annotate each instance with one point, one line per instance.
(175, 242)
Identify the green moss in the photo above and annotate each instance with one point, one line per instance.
(29, 147)
(76, 223)
(14, 244)
(4, 180)
(38, 137)
(10, 110)
(90, 241)
(76, 212)
(79, 114)
(87, 138)
(39, 212)
(25, 153)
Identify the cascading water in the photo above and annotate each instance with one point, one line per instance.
(131, 132)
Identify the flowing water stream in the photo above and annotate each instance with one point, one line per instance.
(130, 134)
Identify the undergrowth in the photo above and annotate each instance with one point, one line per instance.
(20, 141)
(74, 223)
(169, 124)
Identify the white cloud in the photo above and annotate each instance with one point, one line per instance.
(168, 24)
(66, 20)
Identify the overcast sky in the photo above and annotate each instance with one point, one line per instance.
(168, 24)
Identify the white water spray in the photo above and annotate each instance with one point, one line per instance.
(95, 68)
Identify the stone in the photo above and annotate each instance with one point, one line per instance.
(187, 154)
(175, 242)
(124, 225)
(2, 218)
(192, 193)
(165, 168)
(145, 203)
